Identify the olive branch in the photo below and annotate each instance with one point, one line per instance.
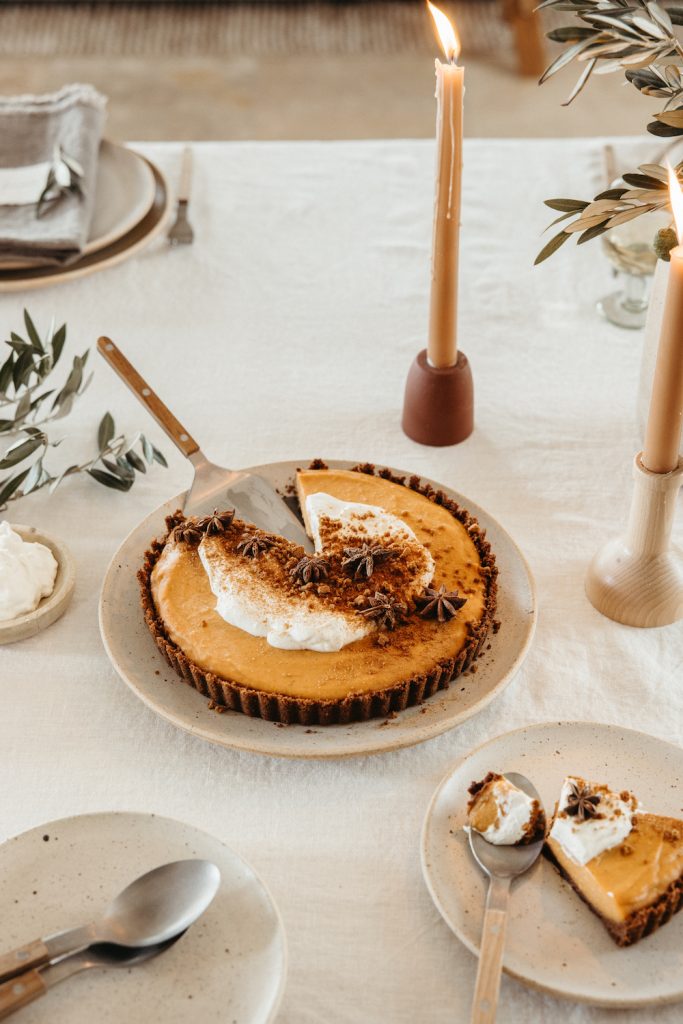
(639, 38)
(30, 406)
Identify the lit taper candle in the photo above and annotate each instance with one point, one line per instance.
(663, 433)
(442, 347)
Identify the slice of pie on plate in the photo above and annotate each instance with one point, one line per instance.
(624, 862)
(397, 600)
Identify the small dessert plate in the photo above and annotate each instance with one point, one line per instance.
(554, 942)
(52, 607)
(230, 966)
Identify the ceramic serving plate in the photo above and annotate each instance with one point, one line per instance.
(137, 660)
(124, 193)
(119, 248)
(554, 942)
(230, 966)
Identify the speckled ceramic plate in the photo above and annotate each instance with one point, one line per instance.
(138, 661)
(122, 248)
(230, 966)
(124, 193)
(554, 942)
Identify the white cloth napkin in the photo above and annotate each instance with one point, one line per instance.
(31, 128)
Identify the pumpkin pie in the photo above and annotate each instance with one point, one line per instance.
(625, 863)
(396, 601)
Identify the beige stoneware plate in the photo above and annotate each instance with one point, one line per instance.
(137, 660)
(124, 193)
(554, 942)
(122, 248)
(230, 966)
(52, 607)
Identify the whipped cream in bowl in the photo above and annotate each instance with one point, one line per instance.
(36, 581)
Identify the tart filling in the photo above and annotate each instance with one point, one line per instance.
(625, 863)
(410, 576)
(271, 592)
(503, 813)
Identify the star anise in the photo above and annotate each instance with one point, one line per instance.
(439, 604)
(310, 569)
(251, 545)
(581, 803)
(360, 562)
(217, 523)
(385, 610)
(188, 532)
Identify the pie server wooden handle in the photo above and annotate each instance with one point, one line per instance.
(33, 954)
(151, 401)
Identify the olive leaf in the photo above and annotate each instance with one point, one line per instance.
(608, 209)
(637, 37)
(23, 373)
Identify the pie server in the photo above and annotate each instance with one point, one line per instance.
(252, 497)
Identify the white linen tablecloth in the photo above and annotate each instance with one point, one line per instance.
(286, 331)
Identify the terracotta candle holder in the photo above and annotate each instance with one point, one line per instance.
(438, 408)
(637, 578)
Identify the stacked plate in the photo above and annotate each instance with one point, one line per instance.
(131, 207)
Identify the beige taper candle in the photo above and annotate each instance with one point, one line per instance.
(663, 432)
(442, 346)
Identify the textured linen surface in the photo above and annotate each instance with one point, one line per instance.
(286, 331)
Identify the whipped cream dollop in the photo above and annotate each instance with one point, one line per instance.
(248, 599)
(581, 838)
(514, 811)
(27, 573)
(350, 521)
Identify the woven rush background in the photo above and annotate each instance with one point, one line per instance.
(216, 29)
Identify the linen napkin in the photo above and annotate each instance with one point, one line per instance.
(31, 129)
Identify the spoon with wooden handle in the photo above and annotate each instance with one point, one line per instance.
(33, 984)
(153, 909)
(502, 864)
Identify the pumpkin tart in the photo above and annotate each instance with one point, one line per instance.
(397, 601)
(626, 864)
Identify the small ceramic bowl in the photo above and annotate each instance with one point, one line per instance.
(50, 608)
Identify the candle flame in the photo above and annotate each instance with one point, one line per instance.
(676, 197)
(448, 37)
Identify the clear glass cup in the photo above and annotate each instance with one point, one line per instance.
(629, 248)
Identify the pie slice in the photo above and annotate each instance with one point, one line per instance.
(625, 863)
(503, 813)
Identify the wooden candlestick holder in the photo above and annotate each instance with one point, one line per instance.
(438, 408)
(637, 578)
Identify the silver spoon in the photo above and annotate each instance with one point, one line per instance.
(21, 991)
(501, 864)
(154, 908)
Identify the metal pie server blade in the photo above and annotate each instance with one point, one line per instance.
(252, 497)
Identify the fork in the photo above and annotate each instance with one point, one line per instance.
(181, 233)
